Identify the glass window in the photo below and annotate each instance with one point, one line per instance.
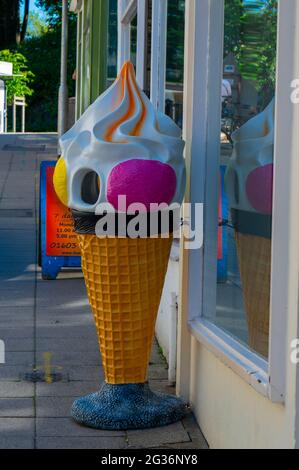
(246, 172)
(112, 42)
(175, 60)
(133, 34)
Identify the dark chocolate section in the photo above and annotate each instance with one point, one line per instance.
(85, 223)
(252, 223)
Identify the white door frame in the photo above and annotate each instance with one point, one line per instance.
(127, 10)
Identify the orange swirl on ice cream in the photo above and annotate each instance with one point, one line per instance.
(127, 77)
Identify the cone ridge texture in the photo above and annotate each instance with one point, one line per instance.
(254, 256)
(124, 278)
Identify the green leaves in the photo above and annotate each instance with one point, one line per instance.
(251, 34)
(19, 85)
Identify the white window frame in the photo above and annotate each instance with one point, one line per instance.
(127, 10)
(202, 115)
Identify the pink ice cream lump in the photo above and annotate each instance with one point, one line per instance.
(141, 181)
(259, 186)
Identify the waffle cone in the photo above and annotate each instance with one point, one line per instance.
(124, 278)
(254, 255)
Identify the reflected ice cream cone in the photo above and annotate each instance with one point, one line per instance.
(122, 147)
(249, 179)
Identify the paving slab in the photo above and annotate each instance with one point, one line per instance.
(13, 442)
(11, 373)
(55, 427)
(65, 358)
(20, 344)
(11, 428)
(172, 434)
(16, 407)
(20, 389)
(54, 407)
(66, 389)
(102, 442)
(15, 358)
(87, 373)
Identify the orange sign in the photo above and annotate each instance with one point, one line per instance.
(61, 239)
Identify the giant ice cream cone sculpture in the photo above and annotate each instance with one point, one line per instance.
(122, 156)
(249, 179)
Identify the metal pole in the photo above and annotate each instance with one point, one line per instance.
(23, 116)
(63, 91)
(14, 117)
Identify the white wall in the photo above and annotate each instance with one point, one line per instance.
(163, 324)
(231, 414)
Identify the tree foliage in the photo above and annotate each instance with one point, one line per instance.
(12, 31)
(251, 34)
(21, 83)
(43, 54)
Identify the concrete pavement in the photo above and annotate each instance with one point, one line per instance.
(48, 324)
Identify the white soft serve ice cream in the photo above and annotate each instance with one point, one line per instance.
(121, 146)
(249, 173)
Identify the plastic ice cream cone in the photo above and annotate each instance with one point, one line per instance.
(123, 157)
(254, 256)
(124, 279)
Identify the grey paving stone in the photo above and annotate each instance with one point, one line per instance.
(102, 442)
(10, 373)
(12, 428)
(157, 437)
(70, 290)
(66, 344)
(66, 427)
(66, 389)
(64, 318)
(12, 442)
(16, 389)
(16, 407)
(54, 407)
(64, 358)
(16, 332)
(58, 330)
(194, 444)
(86, 373)
(156, 356)
(158, 371)
(19, 344)
(191, 426)
(162, 386)
(15, 358)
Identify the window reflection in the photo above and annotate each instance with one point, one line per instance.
(175, 60)
(247, 140)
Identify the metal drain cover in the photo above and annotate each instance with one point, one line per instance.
(40, 376)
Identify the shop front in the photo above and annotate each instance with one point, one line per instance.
(227, 72)
(237, 356)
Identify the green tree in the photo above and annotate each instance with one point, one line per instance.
(37, 26)
(250, 33)
(43, 55)
(20, 84)
(12, 32)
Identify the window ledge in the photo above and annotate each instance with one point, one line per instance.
(248, 365)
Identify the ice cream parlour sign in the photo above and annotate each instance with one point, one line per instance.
(61, 239)
(59, 243)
